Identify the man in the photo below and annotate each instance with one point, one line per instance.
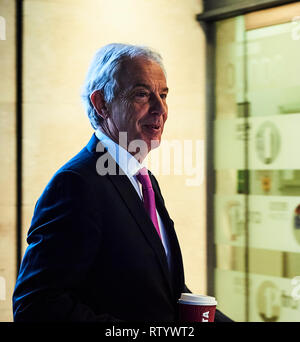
(102, 246)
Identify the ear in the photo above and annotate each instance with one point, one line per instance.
(99, 103)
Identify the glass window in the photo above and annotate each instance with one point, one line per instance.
(257, 168)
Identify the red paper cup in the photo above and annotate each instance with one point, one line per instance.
(196, 308)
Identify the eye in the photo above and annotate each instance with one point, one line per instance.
(142, 94)
(163, 96)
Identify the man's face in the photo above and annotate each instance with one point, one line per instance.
(140, 107)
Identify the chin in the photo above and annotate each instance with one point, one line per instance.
(154, 144)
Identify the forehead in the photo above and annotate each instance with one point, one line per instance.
(141, 70)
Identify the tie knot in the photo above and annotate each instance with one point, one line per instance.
(143, 178)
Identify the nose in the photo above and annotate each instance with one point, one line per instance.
(158, 106)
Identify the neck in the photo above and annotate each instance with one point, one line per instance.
(137, 148)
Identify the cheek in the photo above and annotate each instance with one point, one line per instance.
(138, 113)
(128, 115)
(165, 117)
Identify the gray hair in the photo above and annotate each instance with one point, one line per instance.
(103, 71)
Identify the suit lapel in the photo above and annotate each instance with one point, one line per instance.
(135, 206)
(176, 257)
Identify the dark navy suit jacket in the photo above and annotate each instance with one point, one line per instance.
(94, 254)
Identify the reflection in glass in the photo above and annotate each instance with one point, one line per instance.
(257, 168)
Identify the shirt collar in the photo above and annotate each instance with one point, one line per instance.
(122, 157)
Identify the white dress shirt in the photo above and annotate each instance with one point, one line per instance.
(130, 166)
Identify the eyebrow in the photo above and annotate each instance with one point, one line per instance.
(148, 87)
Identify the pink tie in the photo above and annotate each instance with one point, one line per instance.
(149, 196)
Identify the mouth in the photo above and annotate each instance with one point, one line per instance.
(153, 126)
(152, 129)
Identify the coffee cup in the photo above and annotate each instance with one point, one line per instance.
(196, 308)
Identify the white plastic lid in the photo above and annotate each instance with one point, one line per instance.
(194, 299)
